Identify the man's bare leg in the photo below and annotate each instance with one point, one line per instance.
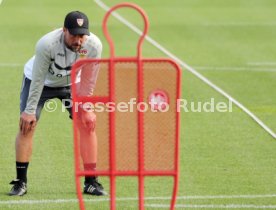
(23, 146)
(89, 154)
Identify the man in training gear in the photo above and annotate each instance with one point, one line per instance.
(47, 76)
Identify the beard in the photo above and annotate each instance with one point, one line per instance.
(74, 47)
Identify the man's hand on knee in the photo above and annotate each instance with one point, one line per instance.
(27, 123)
(88, 120)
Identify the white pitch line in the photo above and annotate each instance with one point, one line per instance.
(1, 2)
(214, 206)
(191, 197)
(262, 64)
(189, 68)
(10, 64)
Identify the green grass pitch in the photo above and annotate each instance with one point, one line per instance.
(223, 155)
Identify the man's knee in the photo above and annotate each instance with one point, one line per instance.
(25, 137)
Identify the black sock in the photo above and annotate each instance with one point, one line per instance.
(89, 167)
(21, 171)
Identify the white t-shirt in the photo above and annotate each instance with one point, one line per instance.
(51, 65)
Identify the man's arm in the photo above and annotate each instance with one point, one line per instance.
(39, 71)
(88, 78)
(89, 72)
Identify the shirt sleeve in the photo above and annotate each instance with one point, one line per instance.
(39, 72)
(89, 72)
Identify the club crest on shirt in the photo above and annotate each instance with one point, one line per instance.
(83, 53)
(80, 21)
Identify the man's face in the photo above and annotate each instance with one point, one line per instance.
(73, 42)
